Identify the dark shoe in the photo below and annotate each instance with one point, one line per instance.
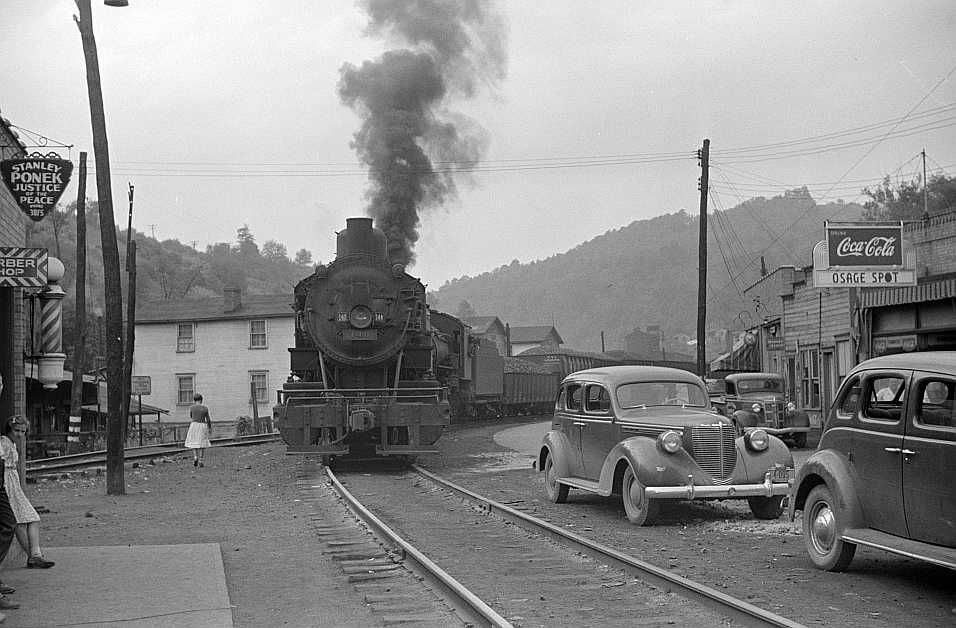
(38, 562)
(201, 464)
(7, 605)
(5, 590)
(195, 463)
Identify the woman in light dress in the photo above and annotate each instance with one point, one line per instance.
(28, 521)
(200, 427)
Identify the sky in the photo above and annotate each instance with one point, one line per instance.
(228, 114)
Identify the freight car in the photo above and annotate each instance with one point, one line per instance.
(363, 380)
(566, 361)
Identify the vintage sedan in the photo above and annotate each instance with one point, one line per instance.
(883, 473)
(758, 400)
(650, 433)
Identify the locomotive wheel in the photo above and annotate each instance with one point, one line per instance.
(557, 492)
(639, 508)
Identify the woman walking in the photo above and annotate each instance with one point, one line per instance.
(200, 427)
(28, 521)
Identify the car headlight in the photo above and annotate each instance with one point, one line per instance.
(670, 441)
(756, 407)
(757, 440)
(791, 406)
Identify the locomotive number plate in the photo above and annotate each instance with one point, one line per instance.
(360, 334)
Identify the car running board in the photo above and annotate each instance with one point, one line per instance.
(935, 554)
(586, 485)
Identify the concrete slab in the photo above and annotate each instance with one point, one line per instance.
(140, 586)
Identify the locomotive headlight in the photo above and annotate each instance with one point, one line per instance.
(360, 317)
(756, 407)
(791, 406)
(757, 440)
(669, 441)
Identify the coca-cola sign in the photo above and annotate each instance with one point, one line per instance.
(865, 245)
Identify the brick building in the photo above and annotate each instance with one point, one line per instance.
(219, 348)
(12, 315)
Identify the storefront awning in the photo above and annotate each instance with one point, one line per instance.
(930, 291)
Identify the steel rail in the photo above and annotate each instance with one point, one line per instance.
(735, 609)
(468, 606)
(90, 458)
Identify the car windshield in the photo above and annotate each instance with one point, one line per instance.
(663, 393)
(759, 385)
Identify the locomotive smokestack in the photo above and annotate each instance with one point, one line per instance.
(402, 98)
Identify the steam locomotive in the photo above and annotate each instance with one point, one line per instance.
(363, 367)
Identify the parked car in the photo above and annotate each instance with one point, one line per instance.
(758, 400)
(650, 433)
(717, 391)
(883, 473)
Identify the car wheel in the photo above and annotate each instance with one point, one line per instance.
(821, 532)
(766, 507)
(639, 508)
(800, 440)
(557, 492)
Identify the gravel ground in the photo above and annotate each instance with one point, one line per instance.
(246, 500)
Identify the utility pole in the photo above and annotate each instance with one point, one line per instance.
(925, 188)
(130, 311)
(116, 425)
(704, 156)
(79, 335)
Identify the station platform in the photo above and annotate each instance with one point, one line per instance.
(121, 586)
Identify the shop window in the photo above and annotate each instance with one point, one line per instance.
(810, 378)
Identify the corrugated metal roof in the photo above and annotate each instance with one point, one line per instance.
(252, 306)
(930, 291)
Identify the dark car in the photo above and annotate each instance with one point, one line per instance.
(758, 400)
(650, 433)
(884, 473)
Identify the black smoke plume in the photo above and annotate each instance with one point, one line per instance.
(414, 146)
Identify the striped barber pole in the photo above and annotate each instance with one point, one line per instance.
(73, 436)
(51, 325)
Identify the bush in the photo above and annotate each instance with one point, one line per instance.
(244, 426)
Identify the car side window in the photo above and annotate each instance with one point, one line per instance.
(562, 396)
(849, 403)
(597, 399)
(574, 396)
(936, 402)
(884, 396)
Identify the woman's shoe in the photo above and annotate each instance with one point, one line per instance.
(38, 562)
(196, 463)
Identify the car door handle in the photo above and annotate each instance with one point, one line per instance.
(580, 424)
(908, 452)
(892, 450)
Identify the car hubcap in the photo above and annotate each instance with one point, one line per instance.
(823, 528)
(550, 475)
(635, 494)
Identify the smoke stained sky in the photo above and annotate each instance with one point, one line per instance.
(224, 114)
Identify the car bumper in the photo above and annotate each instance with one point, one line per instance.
(768, 488)
(784, 431)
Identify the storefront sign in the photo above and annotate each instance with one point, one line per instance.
(894, 344)
(140, 385)
(36, 182)
(22, 268)
(864, 244)
(833, 278)
(775, 344)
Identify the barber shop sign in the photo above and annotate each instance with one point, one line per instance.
(865, 245)
(36, 182)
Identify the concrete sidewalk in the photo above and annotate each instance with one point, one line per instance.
(155, 586)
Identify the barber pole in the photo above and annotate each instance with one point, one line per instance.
(51, 356)
(74, 430)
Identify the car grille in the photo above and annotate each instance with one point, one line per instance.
(712, 446)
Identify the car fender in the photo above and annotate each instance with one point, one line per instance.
(832, 468)
(745, 418)
(755, 464)
(642, 455)
(557, 444)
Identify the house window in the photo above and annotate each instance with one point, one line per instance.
(186, 388)
(258, 383)
(185, 338)
(810, 378)
(257, 335)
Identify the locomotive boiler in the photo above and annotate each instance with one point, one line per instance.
(363, 374)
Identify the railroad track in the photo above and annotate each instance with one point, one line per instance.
(503, 567)
(98, 458)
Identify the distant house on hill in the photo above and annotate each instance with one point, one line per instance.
(220, 348)
(490, 328)
(524, 338)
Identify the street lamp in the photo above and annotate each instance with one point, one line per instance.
(116, 423)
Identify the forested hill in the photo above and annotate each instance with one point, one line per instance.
(646, 273)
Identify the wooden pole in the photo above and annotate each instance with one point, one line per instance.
(79, 331)
(130, 309)
(116, 424)
(702, 264)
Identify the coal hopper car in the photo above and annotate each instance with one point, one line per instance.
(363, 374)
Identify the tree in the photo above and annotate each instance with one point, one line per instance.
(274, 250)
(246, 242)
(905, 201)
(303, 256)
(465, 310)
